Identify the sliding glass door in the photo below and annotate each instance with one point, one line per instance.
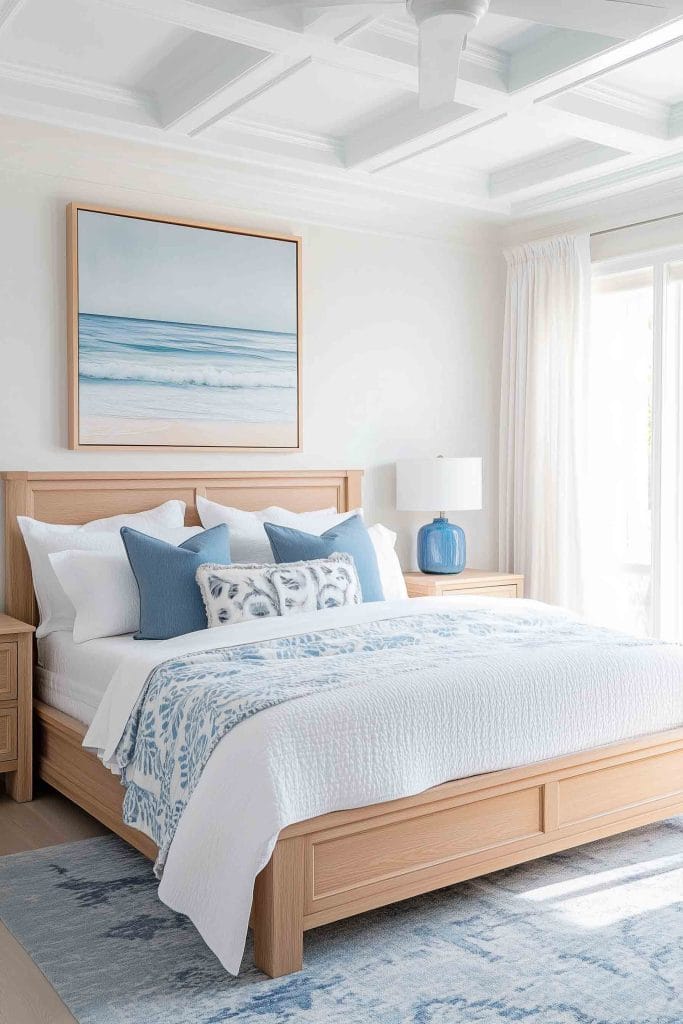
(632, 476)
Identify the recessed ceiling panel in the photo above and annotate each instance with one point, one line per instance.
(504, 142)
(87, 40)
(324, 100)
(658, 77)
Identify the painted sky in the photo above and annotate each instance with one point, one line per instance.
(156, 271)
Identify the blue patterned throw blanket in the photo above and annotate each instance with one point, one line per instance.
(191, 703)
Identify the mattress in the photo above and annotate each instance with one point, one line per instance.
(73, 677)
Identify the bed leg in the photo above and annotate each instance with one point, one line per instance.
(278, 910)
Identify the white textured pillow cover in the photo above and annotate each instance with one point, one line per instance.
(248, 540)
(102, 588)
(390, 572)
(235, 593)
(44, 539)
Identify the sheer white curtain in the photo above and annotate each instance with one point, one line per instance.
(669, 527)
(542, 438)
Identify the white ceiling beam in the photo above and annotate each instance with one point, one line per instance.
(9, 10)
(555, 49)
(478, 85)
(266, 76)
(676, 120)
(389, 140)
(620, 179)
(562, 162)
(384, 143)
(200, 17)
(189, 84)
(624, 19)
(609, 117)
(58, 91)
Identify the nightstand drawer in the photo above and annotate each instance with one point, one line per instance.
(8, 734)
(478, 582)
(8, 671)
(507, 591)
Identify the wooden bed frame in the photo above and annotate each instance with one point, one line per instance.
(346, 862)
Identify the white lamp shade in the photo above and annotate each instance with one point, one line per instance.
(443, 485)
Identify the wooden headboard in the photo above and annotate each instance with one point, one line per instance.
(79, 497)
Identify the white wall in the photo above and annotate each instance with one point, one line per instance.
(401, 340)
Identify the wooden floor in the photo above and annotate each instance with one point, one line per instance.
(26, 997)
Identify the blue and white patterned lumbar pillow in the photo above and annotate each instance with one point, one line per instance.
(233, 593)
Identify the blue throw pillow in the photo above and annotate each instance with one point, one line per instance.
(170, 600)
(350, 537)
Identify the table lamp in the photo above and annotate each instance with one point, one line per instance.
(439, 483)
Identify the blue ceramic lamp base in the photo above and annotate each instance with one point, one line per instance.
(441, 547)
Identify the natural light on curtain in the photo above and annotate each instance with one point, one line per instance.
(542, 440)
(633, 552)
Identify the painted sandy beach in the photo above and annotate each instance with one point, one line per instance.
(106, 430)
(153, 382)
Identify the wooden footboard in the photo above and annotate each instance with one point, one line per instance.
(348, 862)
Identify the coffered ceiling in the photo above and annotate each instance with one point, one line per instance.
(544, 118)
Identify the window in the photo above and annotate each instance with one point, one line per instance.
(633, 469)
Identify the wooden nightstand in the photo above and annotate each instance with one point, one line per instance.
(469, 581)
(16, 707)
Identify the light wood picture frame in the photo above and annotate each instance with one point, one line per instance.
(182, 334)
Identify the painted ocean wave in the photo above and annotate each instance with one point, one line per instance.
(141, 369)
(199, 376)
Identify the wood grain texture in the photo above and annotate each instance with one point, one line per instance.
(72, 324)
(16, 699)
(77, 498)
(8, 736)
(8, 671)
(47, 820)
(278, 910)
(80, 775)
(480, 582)
(20, 782)
(26, 997)
(74, 441)
(353, 861)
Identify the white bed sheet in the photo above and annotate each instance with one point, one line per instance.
(74, 677)
(353, 747)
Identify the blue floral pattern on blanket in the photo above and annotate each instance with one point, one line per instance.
(189, 704)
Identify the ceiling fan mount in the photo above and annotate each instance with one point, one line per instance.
(443, 26)
(422, 9)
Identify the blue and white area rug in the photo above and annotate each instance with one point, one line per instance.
(591, 936)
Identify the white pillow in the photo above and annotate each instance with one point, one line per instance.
(102, 588)
(390, 572)
(235, 593)
(44, 539)
(249, 541)
(103, 591)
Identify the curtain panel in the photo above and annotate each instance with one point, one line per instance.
(542, 435)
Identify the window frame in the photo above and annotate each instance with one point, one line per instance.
(658, 261)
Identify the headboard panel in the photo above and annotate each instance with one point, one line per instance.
(79, 497)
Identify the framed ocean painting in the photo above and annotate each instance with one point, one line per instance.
(181, 334)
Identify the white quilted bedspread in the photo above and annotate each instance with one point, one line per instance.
(498, 706)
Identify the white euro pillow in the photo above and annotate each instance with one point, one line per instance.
(248, 539)
(102, 588)
(390, 572)
(44, 539)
